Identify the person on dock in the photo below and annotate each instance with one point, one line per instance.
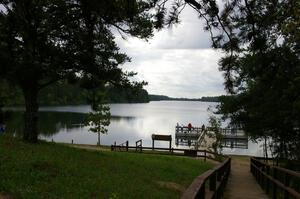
(189, 127)
(203, 127)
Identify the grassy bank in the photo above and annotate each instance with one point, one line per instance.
(49, 170)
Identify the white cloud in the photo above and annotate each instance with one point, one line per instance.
(176, 62)
(178, 72)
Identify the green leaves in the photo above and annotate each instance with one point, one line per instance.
(99, 119)
(215, 124)
(262, 69)
(43, 42)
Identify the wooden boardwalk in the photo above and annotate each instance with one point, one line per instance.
(241, 183)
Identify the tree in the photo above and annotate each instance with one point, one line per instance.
(262, 69)
(46, 41)
(262, 72)
(215, 124)
(99, 119)
(260, 40)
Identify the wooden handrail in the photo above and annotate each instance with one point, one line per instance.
(196, 186)
(267, 174)
(290, 172)
(217, 178)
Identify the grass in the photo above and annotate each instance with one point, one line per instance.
(49, 170)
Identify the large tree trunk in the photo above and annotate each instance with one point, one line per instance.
(30, 133)
(99, 139)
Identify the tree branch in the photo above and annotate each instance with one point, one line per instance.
(41, 86)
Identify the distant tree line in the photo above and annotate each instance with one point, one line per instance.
(202, 99)
(66, 94)
(62, 93)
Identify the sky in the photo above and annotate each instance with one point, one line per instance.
(177, 61)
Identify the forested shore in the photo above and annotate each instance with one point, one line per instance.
(62, 93)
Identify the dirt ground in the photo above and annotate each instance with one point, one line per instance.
(90, 147)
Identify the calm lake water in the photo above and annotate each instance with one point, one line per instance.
(129, 122)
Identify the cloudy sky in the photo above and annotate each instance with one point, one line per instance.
(178, 61)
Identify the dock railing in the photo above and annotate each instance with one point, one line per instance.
(276, 181)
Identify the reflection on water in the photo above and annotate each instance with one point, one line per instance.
(52, 122)
(129, 122)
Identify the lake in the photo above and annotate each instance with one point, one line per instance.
(130, 122)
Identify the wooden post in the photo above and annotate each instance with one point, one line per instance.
(141, 146)
(112, 147)
(287, 184)
(219, 176)
(212, 182)
(152, 144)
(201, 193)
(262, 177)
(267, 180)
(251, 166)
(170, 145)
(274, 184)
(127, 143)
(228, 168)
(204, 155)
(72, 142)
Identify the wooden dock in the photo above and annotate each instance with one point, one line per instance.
(185, 136)
(231, 138)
